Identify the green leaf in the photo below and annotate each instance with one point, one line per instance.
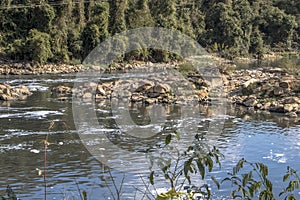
(238, 166)
(216, 182)
(152, 178)
(84, 194)
(210, 164)
(290, 197)
(269, 185)
(201, 169)
(286, 177)
(263, 169)
(168, 139)
(177, 134)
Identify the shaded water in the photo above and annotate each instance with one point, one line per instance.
(268, 138)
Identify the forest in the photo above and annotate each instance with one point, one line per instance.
(65, 31)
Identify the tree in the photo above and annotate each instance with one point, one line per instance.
(138, 14)
(97, 28)
(224, 29)
(117, 16)
(244, 14)
(42, 17)
(278, 27)
(38, 46)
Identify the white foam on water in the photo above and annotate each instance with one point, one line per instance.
(40, 114)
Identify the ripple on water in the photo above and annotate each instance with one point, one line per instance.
(40, 114)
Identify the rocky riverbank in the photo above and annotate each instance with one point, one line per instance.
(33, 69)
(273, 90)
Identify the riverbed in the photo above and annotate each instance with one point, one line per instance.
(71, 166)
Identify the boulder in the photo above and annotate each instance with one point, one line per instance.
(5, 97)
(100, 90)
(249, 82)
(87, 95)
(284, 84)
(153, 94)
(144, 87)
(250, 102)
(62, 90)
(290, 107)
(291, 100)
(150, 100)
(159, 89)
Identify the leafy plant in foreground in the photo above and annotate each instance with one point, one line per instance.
(199, 158)
(256, 183)
(293, 184)
(10, 194)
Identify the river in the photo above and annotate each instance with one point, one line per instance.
(269, 138)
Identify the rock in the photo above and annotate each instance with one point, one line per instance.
(202, 95)
(288, 107)
(144, 87)
(153, 94)
(136, 98)
(276, 107)
(90, 85)
(278, 91)
(150, 100)
(266, 106)
(62, 90)
(291, 107)
(24, 90)
(159, 89)
(100, 90)
(291, 100)
(250, 101)
(5, 97)
(87, 95)
(249, 82)
(291, 114)
(6, 91)
(284, 84)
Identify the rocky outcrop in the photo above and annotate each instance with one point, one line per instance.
(8, 93)
(148, 92)
(273, 90)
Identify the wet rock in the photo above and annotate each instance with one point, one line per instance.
(100, 90)
(291, 115)
(62, 90)
(5, 97)
(87, 95)
(7, 93)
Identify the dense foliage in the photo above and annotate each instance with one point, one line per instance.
(67, 30)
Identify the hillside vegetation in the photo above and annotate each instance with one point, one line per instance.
(67, 30)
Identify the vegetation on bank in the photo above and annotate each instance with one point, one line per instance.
(66, 30)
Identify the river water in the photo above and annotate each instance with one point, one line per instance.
(71, 166)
